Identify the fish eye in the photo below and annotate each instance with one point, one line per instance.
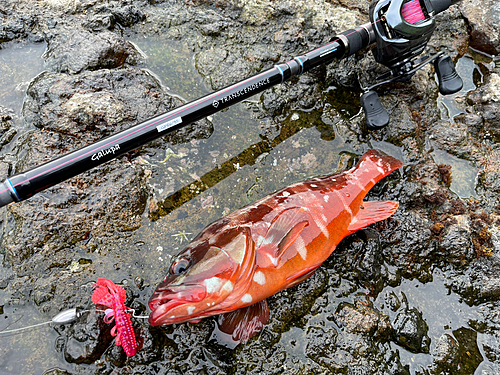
(180, 266)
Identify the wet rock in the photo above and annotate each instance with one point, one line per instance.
(410, 331)
(73, 51)
(56, 371)
(412, 230)
(452, 34)
(16, 26)
(404, 120)
(486, 101)
(52, 224)
(293, 303)
(107, 16)
(470, 356)
(424, 186)
(452, 137)
(74, 111)
(343, 353)
(456, 242)
(186, 350)
(212, 24)
(100, 103)
(86, 340)
(7, 131)
(363, 319)
(446, 355)
(479, 283)
(484, 20)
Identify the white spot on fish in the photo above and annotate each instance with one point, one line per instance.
(321, 225)
(342, 199)
(213, 284)
(358, 184)
(326, 198)
(228, 286)
(314, 186)
(259, 278)
(247, 298)
(273, 260)
(191, 309)
(301, 248)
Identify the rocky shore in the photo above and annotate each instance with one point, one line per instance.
(415, 294)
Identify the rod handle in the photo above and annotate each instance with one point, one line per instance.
(355, 40)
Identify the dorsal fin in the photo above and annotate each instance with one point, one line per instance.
(283, 231)
(371, 212)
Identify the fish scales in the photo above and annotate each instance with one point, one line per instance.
(253, 253)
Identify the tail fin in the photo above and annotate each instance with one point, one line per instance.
(374, 165)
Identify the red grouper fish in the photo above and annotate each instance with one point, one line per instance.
(238, 261)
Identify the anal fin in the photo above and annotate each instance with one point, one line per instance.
(371, 212)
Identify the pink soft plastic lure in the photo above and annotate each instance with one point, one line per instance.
(113, 296)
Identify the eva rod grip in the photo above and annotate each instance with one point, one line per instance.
(357, 39)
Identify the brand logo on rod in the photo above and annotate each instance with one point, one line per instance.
(241, 92)
(101, 154)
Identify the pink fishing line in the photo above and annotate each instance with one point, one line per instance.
(412, 12)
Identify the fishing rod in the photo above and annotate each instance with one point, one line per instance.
(399, 29)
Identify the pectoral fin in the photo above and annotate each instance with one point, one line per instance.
(282, 233)
(371, 212)
(240, 325)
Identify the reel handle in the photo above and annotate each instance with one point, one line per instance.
(375, 114)
(449, 80)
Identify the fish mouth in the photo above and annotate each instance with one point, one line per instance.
(167, 304)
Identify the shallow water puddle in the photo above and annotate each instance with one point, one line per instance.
(28, 351)
(444, 313)
(18, 65)
(464, 174)
(468, 70)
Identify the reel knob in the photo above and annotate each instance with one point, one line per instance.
(449, 80)
(375, 114)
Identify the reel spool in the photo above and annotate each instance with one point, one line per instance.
(402, 29)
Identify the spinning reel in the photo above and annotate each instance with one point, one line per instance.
(402, 29)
